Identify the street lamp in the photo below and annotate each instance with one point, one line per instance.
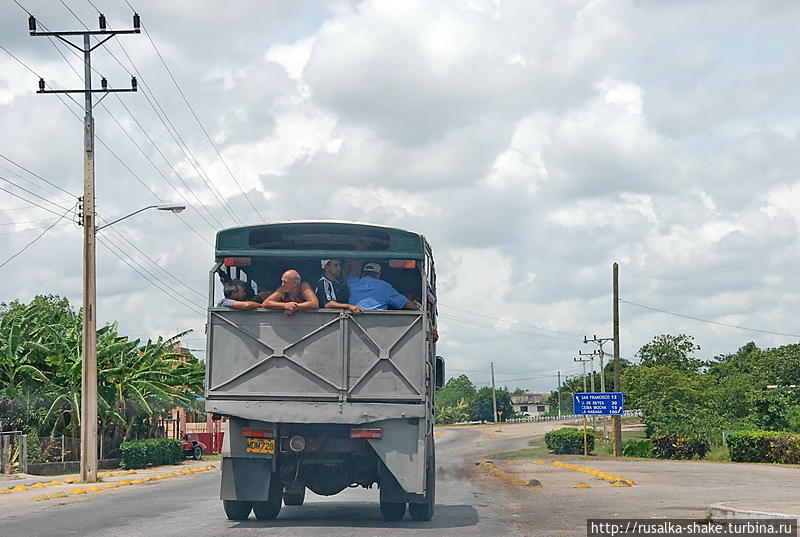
(175, 208)
(89, 379)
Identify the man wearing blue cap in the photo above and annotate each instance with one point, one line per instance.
(371, 293)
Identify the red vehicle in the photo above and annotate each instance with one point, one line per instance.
(192, 447)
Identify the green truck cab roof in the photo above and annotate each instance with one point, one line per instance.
(320, 239)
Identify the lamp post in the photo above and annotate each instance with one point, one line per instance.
(89, 380)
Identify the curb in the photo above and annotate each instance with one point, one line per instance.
(789, 510)
(100, 486)
(489, 466)
(615, 480)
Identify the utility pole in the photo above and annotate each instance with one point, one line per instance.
(494, 397)
(591, 356)
(616, 422)
(89, 378)
(600, 342)
(559, 394)
(583, 363)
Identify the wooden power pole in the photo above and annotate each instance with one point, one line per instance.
(616, 420)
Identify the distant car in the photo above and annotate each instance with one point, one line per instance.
(192, 447)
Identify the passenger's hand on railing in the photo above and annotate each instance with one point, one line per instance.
(355, 309)
(290, 307)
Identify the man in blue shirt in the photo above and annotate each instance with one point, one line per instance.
(371, 293)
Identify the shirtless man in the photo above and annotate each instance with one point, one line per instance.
(292, 295)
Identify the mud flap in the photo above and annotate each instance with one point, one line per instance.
(402, 453)
(245, 479)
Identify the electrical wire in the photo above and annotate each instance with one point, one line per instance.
(31, 202)
(199, 123)
(38, 176)
(447, 306)
(692, 317)
(34, 194)
(42, 234)
(152, 279)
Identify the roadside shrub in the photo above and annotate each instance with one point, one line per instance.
(751, 446)
(638, 448)
(673, 446)
(785, 449)
(154, 451)
(569, 440)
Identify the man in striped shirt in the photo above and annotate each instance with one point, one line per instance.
(329, 291)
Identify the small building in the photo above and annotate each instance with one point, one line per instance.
(530, 404)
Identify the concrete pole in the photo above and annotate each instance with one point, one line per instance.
(494, 396)
(89, 380)
(559, 395)
(616, 421)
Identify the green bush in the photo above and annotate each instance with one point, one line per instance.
(155, 451)
(638, 448)
(673, 446)
(785, 449)
(569, 440)
(751, 446)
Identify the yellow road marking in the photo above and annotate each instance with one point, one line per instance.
(505, 476)
(611, 478)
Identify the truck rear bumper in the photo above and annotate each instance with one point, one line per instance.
(313, 412)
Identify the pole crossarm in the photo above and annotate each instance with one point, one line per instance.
(110, 90)
(109, 33)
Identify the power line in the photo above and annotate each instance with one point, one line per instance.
(472, 312)
(219, 224)
(199, 123)
(152, 279)
(42, 234)
(32, 202)
(38, 176)
(709, 321)
(34, 194)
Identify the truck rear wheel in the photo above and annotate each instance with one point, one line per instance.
(236, 509)
(269, 509)
(424, 511)
(294, 497)
(393, 510)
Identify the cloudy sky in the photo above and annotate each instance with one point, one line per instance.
(533, 143)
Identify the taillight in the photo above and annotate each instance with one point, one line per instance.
(366, 433)
(403, 263)
(257, 432)
(237, 261)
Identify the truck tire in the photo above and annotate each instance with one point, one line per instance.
(393, 510)
(236, 510)
(294, 498)
(269, 509)
(424, 511)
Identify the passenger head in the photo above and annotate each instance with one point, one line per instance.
(332, 267)
(233, 289)
(290, 280)
(373, 270)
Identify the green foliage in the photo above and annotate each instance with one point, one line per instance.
(40, 373)
(752, 446)
(672, 351)
(674, 401)
(452, 414)
(569, 440)
(456, 390)
(785, 449)
(673, 446)
(155, 451)
(481, 406)
(769, 410)
(638, 448)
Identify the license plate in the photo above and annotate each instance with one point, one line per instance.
(260, 445)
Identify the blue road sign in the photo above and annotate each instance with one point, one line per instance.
(599, 403)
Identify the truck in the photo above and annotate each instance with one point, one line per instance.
(323, 399)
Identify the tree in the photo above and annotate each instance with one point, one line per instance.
(481, 406)
(673, 351)
(456, 390)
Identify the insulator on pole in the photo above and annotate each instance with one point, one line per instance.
(41, 84)
(136, 21)
(32, 23)
(133, 83)
(102, 21)
(104, 83)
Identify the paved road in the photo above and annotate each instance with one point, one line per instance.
(189, 506)
(470, 501)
